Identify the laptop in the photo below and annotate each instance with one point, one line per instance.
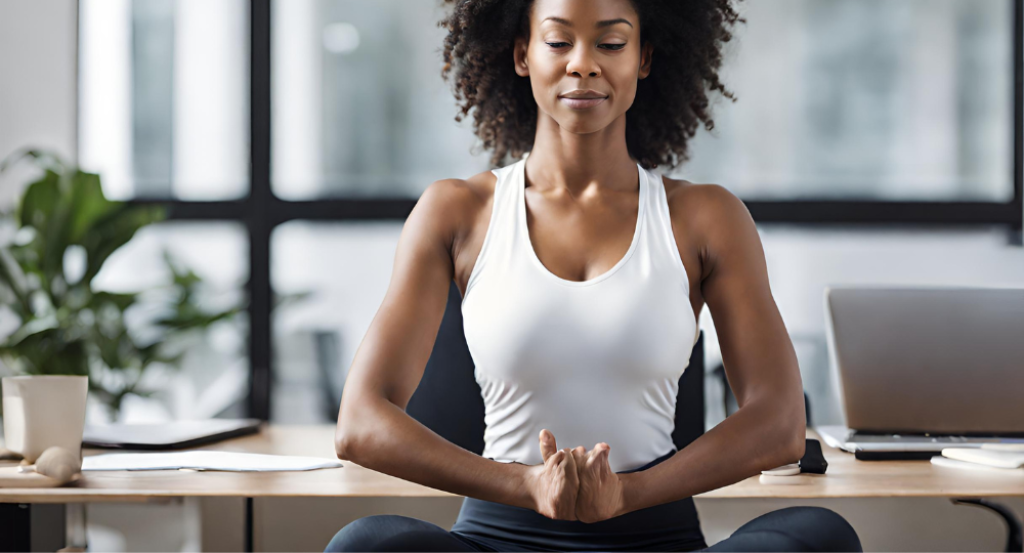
(926, 368)
(169, 435)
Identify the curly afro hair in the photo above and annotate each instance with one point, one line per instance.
(670, 105)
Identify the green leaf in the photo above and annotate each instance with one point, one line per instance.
(110, 348)
(57, 233)
(12, 275)
(115, 230)
(70, 359)
(187, 317)
(46, 209)
(29, 329)
(43, 159)
(49, 351)
(90, 205)
(122, 301)
(40, 201)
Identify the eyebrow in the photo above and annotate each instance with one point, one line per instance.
(606, 23)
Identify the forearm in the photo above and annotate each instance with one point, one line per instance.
(388, 440)
(757, 437)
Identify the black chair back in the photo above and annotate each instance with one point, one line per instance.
(448, 399)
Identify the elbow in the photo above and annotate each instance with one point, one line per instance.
(355, 434)
(797, 448)
(788, 437)
(346, 439)
(347, 433)
(348, 445)
(795, 438)
(789, 449)
(343, 445)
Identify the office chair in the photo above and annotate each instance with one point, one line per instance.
(448, 399)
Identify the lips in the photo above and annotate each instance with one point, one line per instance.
(581, 103)
(582, 99)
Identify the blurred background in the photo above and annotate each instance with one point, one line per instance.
(874, 141)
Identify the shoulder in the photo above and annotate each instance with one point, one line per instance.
(705, 209)
(713, 223)
(454, 205)
(456, 197)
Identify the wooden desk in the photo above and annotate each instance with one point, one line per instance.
(846, 477)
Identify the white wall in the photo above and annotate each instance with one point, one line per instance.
(37, 82)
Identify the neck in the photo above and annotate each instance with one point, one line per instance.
(562, 159)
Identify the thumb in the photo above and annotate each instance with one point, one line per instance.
(605, 452)
(547, 444)
(599, 455)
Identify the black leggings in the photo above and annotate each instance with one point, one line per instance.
(789, 529)
(488, 526)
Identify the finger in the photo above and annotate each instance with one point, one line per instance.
(570, 465)
(598, 455)
(602, 455)
(564, 459)
(547, 444)
(579, 454)
(556, 458)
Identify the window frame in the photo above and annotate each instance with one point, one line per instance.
(261, 211)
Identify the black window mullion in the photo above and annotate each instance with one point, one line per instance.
(870, 213)
(259, 219)
(1018, 116)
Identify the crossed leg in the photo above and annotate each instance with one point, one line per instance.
(788, 529)
(793, 529)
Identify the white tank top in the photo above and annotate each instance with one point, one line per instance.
(591, 361)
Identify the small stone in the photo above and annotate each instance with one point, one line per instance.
(58, 463)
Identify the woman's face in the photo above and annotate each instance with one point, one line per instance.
(583, 58)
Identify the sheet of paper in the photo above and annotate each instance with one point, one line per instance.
(990, 457)
(205, 460)
(941, 461)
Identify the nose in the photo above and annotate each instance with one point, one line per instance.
(583, 63)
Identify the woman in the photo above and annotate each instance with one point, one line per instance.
(583, 275)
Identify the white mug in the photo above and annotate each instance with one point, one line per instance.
(44, 411)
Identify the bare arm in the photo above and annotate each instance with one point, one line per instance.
(373, 429)
(769, 429)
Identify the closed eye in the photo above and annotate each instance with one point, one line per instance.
(606, 46)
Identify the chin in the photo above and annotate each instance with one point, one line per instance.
(582, 124)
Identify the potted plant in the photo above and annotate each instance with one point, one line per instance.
(62, 233)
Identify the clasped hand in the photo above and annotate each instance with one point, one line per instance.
(575, 484)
